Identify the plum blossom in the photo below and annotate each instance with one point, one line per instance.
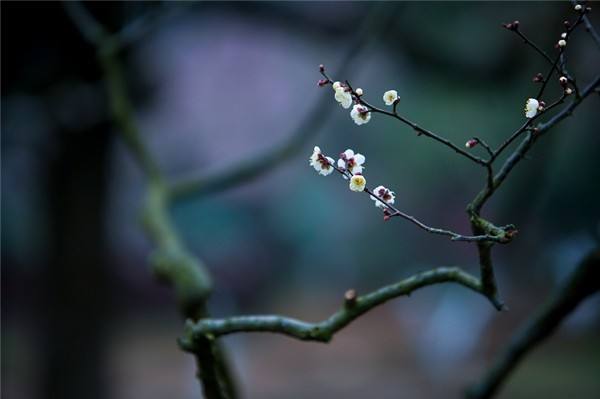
(360, 114)
(531, 107)
(384, 194)
(321, 163)
(357, 183)
(390, 97)
(343, 97)
(351, 162)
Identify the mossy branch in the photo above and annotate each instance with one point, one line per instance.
(324, 331)
(584, 282)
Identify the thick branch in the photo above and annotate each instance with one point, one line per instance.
(584, 282)
(326, 329)
(171, 262)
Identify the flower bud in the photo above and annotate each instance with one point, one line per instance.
(578, 7)
(359, 92)
(322, 82)
(562, 43)
(568, 91)
(471, 143)
(538, 78)
(562, 80)
(321, 68)
(563, 35)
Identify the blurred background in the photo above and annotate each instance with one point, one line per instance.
(217, 83)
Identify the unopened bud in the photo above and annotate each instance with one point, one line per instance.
(386, 215)
(321, 68)
(511, 25)
(322, 82)
(578, 7)
(562, 43)
(538, 78)
(359, 92)
(471, 143)
(562, 80)
(563, 35)
(568, 91)
(541, 106)
(566, 23)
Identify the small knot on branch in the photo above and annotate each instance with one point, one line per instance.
(350, 298)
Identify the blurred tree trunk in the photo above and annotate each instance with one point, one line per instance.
(75, 290)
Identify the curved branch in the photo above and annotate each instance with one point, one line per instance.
(324, 331)
(584, 282)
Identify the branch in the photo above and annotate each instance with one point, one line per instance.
(414, 126)
(590, 28)
(171, 262)
(378, 19)
(481, 198)
(584, 282)
(324, 331)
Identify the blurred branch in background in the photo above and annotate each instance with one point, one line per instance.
(584, 282)
(172, 262)
(377, 21)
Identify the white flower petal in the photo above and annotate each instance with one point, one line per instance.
(390, 96)
(358, 117)
(357, 183)
(531, 107)
(359, 159)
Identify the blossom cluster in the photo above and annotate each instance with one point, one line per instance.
(351, 165)
(347, 98)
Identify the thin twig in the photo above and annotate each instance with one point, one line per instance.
(395, 212)
(414, 126)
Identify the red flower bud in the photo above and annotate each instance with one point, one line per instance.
(471, 143)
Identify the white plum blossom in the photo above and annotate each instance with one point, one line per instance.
(385, 194)
(336, 85)
(343, 97)
(390, 97)
(531, 107)
(321, 163)
(358, 183)
(360, 114)
(351, 161)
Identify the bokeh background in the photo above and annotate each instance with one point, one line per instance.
(218, 83)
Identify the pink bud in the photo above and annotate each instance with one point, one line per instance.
(322, 82)
(321, 68)
(471, 143)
